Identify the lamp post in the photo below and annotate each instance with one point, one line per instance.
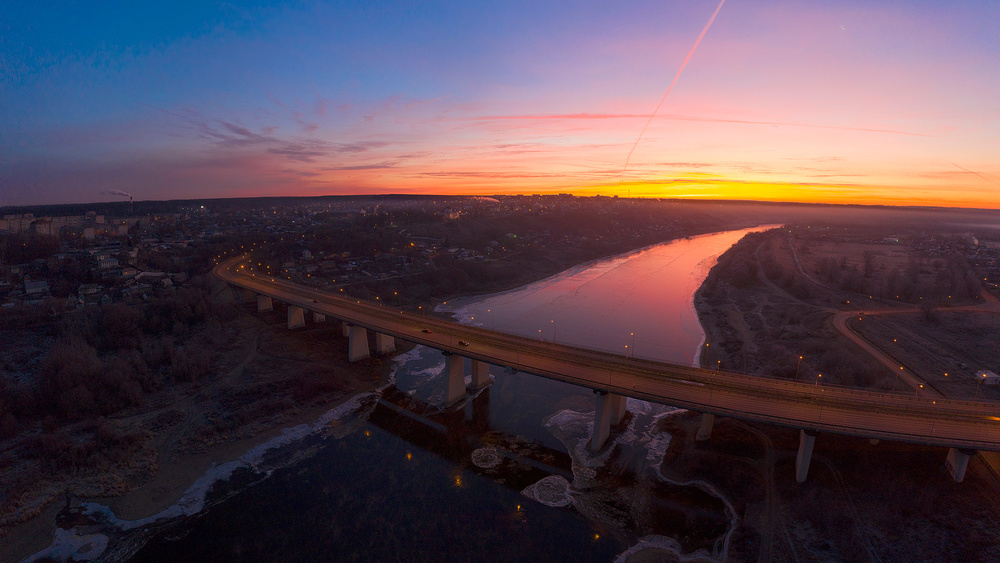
(916, 391)
(490, 311)
(818, 375)
(553, 329)
(799, 363)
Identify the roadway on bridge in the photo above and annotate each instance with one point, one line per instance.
(925, 420)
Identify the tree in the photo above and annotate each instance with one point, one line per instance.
(869, 261)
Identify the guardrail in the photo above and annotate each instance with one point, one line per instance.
(947, 422)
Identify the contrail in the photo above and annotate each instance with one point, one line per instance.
(117, 192)
(664, 98)
(973, 172)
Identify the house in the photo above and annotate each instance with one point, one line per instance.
(36, 289)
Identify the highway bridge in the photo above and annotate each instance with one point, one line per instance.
(961, 426)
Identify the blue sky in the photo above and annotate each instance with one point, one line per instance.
(885, 102)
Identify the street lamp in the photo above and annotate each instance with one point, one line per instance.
(553, 329)
(818, 375)
(799, 363)
(916, 392)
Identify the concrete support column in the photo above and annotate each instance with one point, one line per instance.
(705, 430)
(455, 373)
(807, 438)
(618, 409)
(384, 343)
(318, 318)
(480, 374)
(602, 421)
(296, 317)
(264, 304)
(357, 347)
(345, 329)
(957, 462)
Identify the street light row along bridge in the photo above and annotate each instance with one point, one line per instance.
(961, 426)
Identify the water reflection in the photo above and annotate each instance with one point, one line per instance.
(504, 476)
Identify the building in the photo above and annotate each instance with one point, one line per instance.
(988, 377)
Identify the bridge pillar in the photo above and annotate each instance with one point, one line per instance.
(456, 377)
(296, 317)
(264, 304)
(357, 347)
(384, 343)
(705, 430)
(480, 374)
(602, 421)
(618, 409)
(318, 318)
(345, 329)
(957, 462)
(807, 438)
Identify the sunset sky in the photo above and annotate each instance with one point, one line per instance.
(848, 102)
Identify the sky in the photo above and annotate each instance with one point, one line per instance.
(870, 102)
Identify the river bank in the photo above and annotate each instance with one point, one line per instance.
(275, 379)
(194, 449)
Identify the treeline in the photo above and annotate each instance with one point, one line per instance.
(109, 359)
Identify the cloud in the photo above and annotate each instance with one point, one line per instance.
(674, 117)
(300, 152)
(302, 173)
(378, 166)
(360, 146)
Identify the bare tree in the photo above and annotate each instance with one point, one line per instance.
(869, 258)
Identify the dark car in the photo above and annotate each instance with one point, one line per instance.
(426, 331)
(462, 343)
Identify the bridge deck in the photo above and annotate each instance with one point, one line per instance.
(925, 420)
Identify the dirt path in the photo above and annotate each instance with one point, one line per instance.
(772, 512)
(861, 525)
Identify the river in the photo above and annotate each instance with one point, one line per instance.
(393, 475)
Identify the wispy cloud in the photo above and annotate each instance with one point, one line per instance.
(378, 166)
(675, 117)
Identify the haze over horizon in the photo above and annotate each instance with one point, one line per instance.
(890, 103)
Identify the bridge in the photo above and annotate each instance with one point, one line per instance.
(961, 426)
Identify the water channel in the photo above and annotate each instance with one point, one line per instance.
(395, 476)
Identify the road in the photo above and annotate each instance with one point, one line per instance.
(924, 420)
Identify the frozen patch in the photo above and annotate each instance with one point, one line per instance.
(69, 545)
(664, 543)
(486, 458)
(550, 491)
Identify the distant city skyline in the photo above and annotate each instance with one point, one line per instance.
(854, 102)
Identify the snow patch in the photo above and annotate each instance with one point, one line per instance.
(550, 491)
(486, 458)
(72, 545)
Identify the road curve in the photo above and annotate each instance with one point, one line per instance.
(924, 420)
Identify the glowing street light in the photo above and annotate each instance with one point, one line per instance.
(799, 363)
(818, 375)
